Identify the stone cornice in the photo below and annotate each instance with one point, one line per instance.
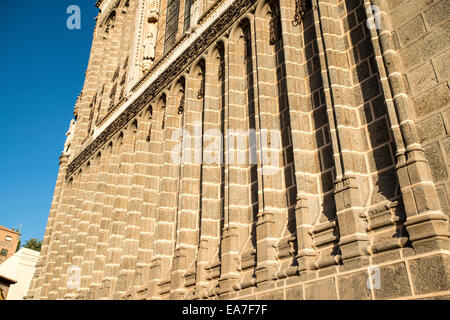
(171, 69)
(210, 11)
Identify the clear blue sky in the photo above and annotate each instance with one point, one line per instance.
(42, 66)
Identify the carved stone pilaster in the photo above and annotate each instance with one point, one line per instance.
(353, 240)
(266, 252)
(306, 255)
(229, 275)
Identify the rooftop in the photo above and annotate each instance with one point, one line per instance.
(9, 230)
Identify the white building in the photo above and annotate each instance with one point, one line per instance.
(20, 267)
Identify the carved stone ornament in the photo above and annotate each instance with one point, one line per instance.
(201, 90)
(221, 72)
(181, 107)
(69, 138)
(301, 6)
(274, 28)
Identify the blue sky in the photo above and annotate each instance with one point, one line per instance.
(42, 66)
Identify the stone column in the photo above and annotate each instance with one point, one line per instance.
(168, 194)
(308, 125)
(349, 150)
(426, 224)
(151, 187)
(82, 245)
(135, 206)
(56, 238)
(239, 241)
(189, 208)
(79, 234)
(72, 228)
(120, 204)
(37, 282)
(94, 220)
(213, 170)
(61, 251)
(274, 230)
(111, 176)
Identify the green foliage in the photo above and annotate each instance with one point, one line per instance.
(20, 239)
(33, 244)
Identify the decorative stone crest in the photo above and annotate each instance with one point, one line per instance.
(220, 72)
(274, 28)
(181, 107)
(201, 90)
(301, 6)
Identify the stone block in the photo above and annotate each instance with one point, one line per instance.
(432, 100)
(441, 65)
(294, 293)
(430, 274)
(354, 286)
(422, 78)
(438, 12)
(275, 295)
(394, 282)
(431, 128)
(436, 162)
(411, 30)
(424, 48)
(321, 290)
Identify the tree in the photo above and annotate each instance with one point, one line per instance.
(33, 244)
(20, 239)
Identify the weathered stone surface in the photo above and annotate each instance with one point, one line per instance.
(426, 47)
(430, 274)
(431, 128)
(411, 30)
(422, 78)
(394, 282)
(354, 287)
(321, 290)
(256, 162)
(436, 162)
(438, 12)
(276, 295)
(432, 100)
(441, 65)
(294, 293)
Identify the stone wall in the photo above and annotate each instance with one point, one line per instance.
(330, 167)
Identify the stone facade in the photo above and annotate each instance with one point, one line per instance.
(354, 95)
